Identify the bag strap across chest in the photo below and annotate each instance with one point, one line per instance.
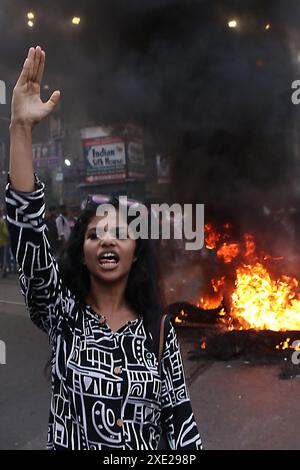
(162, 337)
(158, 331)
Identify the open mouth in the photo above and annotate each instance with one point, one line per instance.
(108, 259)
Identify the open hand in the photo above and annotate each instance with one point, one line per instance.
(27, 107)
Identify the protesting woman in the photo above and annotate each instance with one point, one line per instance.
(97, 306)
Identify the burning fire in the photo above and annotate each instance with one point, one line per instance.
(284, 344)
(257, 299)
(214, 301)
(265, 304)
(211, 237)
(228, 252)
(181, 317)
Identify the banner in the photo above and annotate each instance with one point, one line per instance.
(105, 159)
(135, 158)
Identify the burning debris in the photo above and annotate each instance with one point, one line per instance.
(254, 347)
(249, 291)
(250, 309)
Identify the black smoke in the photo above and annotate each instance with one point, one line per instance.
(216, 99)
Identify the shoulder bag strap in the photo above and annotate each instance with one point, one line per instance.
(161, 338)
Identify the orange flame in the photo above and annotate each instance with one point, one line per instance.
(262, 303)
(181, 317)
(249, 244)
(211, 237)
(284, 344)
(217, 283)
(210, 302)
(213, 301)
(258, 300)
(228, 252)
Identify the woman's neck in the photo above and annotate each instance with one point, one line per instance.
(107, 298)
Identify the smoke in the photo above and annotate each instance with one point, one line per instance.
(218, 100)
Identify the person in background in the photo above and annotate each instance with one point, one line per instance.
(72, 218)
(63, 227)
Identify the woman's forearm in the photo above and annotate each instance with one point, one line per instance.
(21, 169)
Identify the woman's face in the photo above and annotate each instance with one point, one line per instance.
(108, 258)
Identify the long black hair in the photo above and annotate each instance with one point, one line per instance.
(142, 292)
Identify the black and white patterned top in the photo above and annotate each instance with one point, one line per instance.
(106, 389)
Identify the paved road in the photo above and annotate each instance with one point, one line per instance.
(237, 405)
(24, 390)
(241, 406)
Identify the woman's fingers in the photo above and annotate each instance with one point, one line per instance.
(53, 101)
(24, 74)
(31, 55)
(33, 67)
(36, 64)
(40, 71)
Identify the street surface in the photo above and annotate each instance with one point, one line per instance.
(237, 405)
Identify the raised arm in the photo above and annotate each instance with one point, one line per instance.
(27, 109)
(46, 296)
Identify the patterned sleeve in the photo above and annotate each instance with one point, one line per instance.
(40, 281)
(177, 414)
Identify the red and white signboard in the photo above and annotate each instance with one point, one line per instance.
(105, 159)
